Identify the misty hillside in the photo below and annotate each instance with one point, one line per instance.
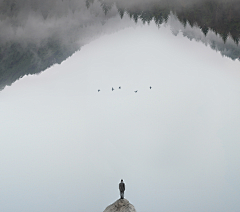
(220, 17)
(36, 34)
(18, 60)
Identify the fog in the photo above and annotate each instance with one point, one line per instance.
(67, 20)
(65, 146)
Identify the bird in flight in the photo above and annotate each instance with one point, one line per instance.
(136, 91)
(112, 89)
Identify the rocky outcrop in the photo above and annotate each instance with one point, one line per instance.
(121, 205)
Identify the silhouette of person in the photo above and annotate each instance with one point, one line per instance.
(122, 189)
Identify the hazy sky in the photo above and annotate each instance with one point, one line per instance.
(65, 147)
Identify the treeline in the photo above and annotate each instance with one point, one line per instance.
(222, 17)
(18, 57)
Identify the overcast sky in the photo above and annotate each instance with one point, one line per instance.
(64, 146)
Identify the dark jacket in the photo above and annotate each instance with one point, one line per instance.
(122, 187)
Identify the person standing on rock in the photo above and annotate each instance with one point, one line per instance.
(122, 189)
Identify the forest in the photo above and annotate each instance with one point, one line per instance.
(21, 56)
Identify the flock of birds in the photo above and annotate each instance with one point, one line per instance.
(120, 88)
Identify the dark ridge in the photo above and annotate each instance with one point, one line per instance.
(18, 60)
(221, 17)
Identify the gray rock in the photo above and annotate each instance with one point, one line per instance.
(121, 205)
